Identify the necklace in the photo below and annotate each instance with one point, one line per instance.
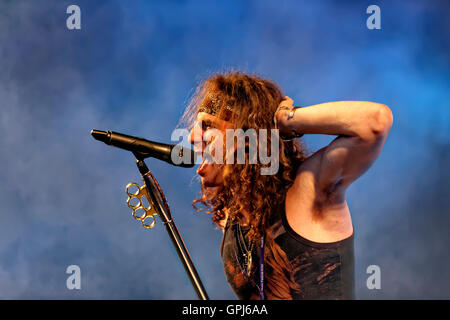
(247, 252)
(248, 260)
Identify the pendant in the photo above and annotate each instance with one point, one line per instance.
(249, 262)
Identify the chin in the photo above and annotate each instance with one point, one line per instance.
(210, 182)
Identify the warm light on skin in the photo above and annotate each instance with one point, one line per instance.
(210, 134)
(211, 173)
(206, 117)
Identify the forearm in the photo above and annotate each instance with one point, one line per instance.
(363, 119)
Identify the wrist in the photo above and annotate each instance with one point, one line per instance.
(285, 123)
(281, 117)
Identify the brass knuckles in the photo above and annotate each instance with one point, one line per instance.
(150, 211)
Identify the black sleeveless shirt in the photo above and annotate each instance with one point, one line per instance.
(321, 270)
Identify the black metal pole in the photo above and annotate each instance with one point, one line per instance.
(154, 191)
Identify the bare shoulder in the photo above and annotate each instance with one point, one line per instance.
(315, 212)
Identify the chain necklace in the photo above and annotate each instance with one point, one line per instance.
(247, 252)
(248, 260)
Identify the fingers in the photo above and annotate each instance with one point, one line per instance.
(289, 100)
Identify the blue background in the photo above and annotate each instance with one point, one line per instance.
(132, 68)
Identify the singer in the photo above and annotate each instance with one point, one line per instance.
(288, 235)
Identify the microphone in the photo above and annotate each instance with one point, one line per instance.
(171, 153)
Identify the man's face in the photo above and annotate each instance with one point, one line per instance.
(200, 137)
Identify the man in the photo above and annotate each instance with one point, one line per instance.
(287, 235)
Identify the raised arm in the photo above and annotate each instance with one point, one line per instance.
(361, 127)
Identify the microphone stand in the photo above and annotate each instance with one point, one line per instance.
(154, 191)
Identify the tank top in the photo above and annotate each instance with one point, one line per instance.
(319, 270)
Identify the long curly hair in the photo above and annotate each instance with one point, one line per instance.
(248, 101)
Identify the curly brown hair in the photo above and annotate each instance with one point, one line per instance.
(253, 102)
